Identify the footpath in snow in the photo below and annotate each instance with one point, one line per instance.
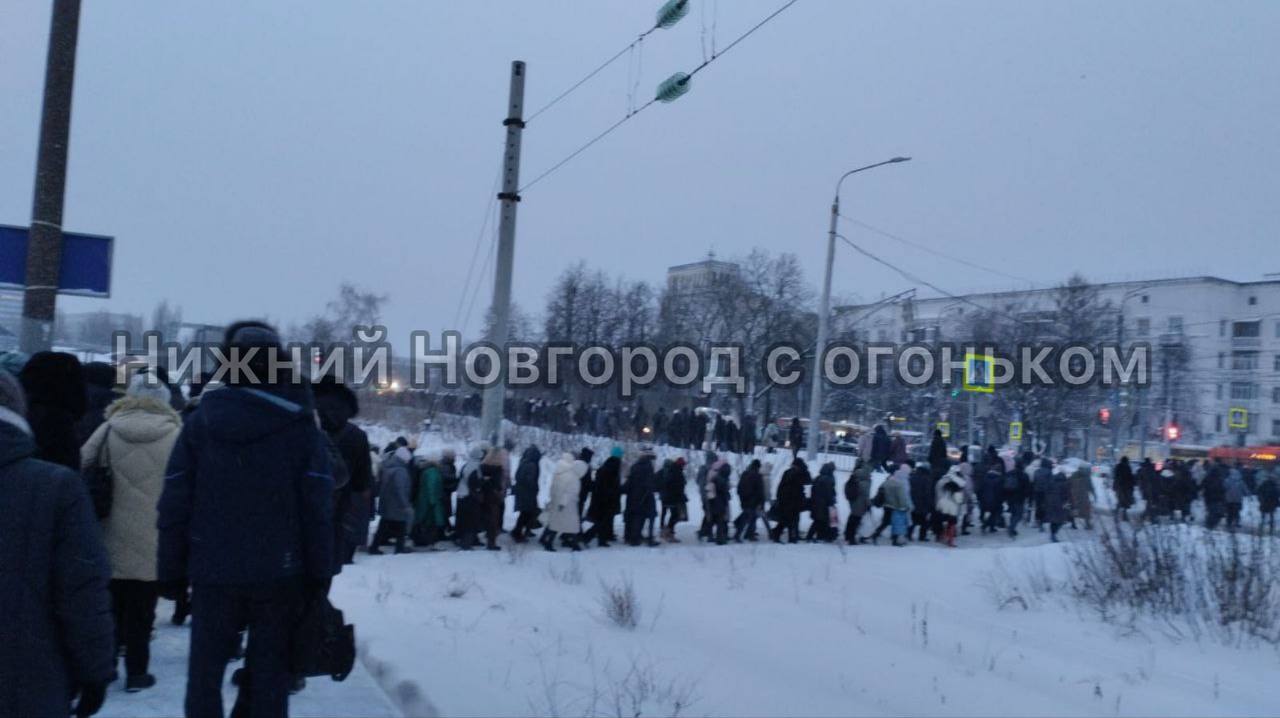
(359, 695)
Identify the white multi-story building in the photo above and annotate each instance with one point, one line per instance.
(699, 275)
(1228, 333)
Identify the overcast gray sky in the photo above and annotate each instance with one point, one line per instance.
(249, 156)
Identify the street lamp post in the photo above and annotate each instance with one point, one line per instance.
(824, 314)
(1115, 393)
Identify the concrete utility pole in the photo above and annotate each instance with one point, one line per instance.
(44, 248)
(824, 316)
(492, 409)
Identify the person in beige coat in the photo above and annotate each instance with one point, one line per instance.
(134, 442)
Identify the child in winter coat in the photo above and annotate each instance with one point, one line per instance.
(897, 498)
(950, 491)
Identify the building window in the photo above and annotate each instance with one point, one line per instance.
(1175, 325)
(1246, 330)
(1253, 301)
(1243, 391)
(1244, 361)
(1275, 427)
(1275, 395)
(1146, 298)
(1144, 327)
(1217, 423)
(1277, 330)
(1222, 360)
(1276, 363)
(1219, 393)
(1222, 327)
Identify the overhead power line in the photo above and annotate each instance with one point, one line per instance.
(929, 250)
(680, 79)
(668, 15)
(919, 280)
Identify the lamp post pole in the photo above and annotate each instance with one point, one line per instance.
(824, 315)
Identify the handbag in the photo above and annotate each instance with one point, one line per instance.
(323, 644)
(100, 481)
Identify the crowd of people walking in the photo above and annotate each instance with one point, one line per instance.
(241, 502)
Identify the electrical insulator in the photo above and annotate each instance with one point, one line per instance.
(673, 87)
(671, 12)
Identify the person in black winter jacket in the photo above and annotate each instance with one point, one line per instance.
(719, 501)
(1124, 484)
(57, 638)
(99, 385)
(991, 496)
(55, 391)
(639, 489)
(674, 500)
(246, 516)
(588, 483)
(939, 462)
(881, 447)
(791, 501)
(606, 500)
(751, 497)
(821, 504)
(1214, 491)
(526, 493)
(336, 404)
(1016, 490)
(922, 490)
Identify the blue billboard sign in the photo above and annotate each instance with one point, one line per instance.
(86, 262)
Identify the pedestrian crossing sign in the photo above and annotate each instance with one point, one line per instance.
(978, 371)
(944, 428)
(1015, 432)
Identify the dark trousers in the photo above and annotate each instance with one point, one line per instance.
(468, 521)
(920, 519)
(389, 532)
(885, 519)
(789, 522)
(526, 524)
(1213, 513)
(492, 516)
(746, 523)
(720, 524)
(218, 613)
(1233, 516)
(851, 528)
(601, 531)
(134, 606)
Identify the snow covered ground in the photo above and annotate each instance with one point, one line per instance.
(359, 695)
(764, 630)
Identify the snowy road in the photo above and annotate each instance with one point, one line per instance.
(359, 695)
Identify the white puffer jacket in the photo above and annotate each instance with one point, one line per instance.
(139, 433)
(562, 506)
(950, 503)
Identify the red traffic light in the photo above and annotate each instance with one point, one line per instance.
(1172, 432)
(1104, 415)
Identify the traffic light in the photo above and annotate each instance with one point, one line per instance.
(1104, 416)
(1172, 432)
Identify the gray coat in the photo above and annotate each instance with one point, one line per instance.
(396, 482)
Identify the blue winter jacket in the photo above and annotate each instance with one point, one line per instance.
(248, 492)
(56, 633)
